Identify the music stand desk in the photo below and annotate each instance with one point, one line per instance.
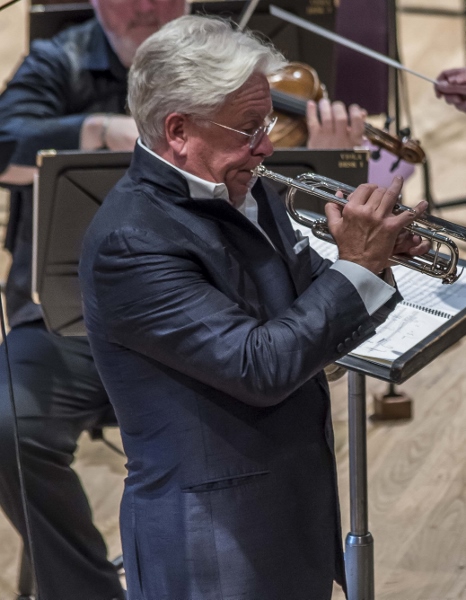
(415, 359)
(359, 545)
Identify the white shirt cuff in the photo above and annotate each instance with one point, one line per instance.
(374, 291)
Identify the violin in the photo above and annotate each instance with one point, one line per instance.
(297, 83)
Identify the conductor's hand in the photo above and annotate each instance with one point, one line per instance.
(331, 126)
(451, 87)
(366, 230)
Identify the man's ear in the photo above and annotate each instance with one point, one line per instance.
(176, 132)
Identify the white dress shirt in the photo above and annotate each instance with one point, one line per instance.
(374, 291)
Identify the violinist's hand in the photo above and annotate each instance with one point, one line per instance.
(336, 128)
(114, 132)
(366, 230)
(451, 87)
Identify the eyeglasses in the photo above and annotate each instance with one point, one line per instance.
(256, 137)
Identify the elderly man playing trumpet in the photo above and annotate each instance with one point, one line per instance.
(211, 323)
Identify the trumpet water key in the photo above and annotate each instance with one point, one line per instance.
(440, 262)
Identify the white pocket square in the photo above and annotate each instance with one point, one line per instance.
(303, 242)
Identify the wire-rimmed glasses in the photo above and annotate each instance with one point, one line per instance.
(256, 136)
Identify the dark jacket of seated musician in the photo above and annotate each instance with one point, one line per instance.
(211, 322)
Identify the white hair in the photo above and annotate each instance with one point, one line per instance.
(190, 66)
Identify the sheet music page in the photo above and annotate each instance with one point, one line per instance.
(430, 293)
(404, 328)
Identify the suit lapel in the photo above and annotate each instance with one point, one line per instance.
(253, 252)
(275, 222)
(279, 275)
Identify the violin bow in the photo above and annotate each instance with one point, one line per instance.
(294, 20)
(247, 13)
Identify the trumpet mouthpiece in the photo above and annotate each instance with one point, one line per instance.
(259, 170)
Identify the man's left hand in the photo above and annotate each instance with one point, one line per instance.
(331, 126)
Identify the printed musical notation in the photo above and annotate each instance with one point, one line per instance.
(404, 328)
(427, 304)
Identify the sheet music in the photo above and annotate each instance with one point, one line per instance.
(427, 305)
(430, 293)
(403, 329)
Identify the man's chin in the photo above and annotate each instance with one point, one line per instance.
(240, 188)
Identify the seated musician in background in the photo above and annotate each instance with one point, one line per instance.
(451, 87)
(69, 93)
(210, 322)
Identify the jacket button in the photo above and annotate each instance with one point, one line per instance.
(360, 329)
(347, 341)
(340, 347)
(355, 335)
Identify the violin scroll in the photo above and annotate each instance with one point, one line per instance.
(292, 87)
(403, 147)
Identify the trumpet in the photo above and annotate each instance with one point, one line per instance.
(440, 261)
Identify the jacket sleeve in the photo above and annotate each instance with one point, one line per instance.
(34, 105)
(162, 304)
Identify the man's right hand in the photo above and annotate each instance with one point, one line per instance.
(367, 231)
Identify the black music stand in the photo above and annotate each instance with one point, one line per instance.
(359, 547)
(71, 187)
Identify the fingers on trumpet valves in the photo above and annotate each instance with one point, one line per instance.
(411, 244)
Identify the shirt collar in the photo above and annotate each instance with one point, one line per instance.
(199, 189)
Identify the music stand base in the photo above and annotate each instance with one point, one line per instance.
(359, 566)
(392, 406)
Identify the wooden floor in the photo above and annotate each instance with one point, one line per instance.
(417, 469)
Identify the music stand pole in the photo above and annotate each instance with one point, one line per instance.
(359, 545)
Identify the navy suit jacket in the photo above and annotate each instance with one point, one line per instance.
(211, 344)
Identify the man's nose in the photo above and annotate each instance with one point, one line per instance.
(264, 147)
